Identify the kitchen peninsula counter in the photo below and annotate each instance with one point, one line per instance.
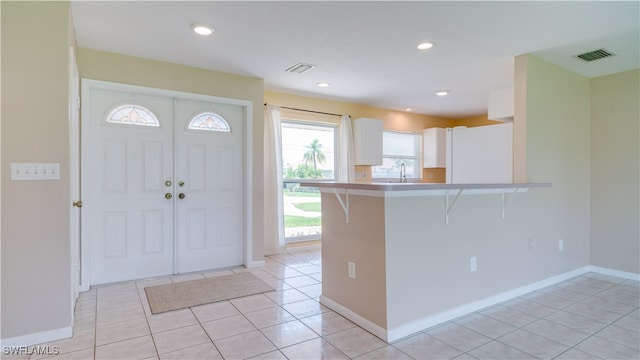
(387, 248)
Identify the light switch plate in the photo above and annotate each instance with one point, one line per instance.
(35, 171)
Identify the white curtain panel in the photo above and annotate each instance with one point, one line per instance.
(273, 202)
(346, 162)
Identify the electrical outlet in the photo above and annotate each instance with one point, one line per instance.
(531, 241)
(351, 270)
(561, 245)
(473, 264)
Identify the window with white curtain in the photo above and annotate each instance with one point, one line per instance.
(308, 153)
(399, 148)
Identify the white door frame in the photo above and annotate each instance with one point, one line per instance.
(88, 85)
(74, 175)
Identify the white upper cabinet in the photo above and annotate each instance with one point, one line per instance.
(501, 105)
(367, 141)
(434, 146)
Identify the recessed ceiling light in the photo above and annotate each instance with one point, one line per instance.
(300, 68)
(425, 46)
(202, 29)
(323, 84)
(442, 92)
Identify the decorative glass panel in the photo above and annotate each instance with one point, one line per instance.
(133, 115)
(209, 121)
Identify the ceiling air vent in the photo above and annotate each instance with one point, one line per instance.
(595, 55)
(300, 68)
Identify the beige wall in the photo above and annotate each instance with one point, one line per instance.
(36, 286)
(615, 180)
(119, 68)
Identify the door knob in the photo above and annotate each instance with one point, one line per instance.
(78, 203)
(181, 196)
(168, 196)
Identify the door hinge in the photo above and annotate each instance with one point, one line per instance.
(78, 103)
(78, 265)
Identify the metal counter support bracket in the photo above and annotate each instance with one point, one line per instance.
(509, 200)
(448, 207)
(345, 208)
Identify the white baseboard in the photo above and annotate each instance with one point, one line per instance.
(417, 325)
(38, 338)
(255, 263)
(356, 318)
(616, 273)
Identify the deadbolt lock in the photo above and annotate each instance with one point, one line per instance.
(181, 196)
(180, 183)
(168, 196)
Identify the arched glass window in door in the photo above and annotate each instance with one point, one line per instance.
(209, 121)
(132, 114)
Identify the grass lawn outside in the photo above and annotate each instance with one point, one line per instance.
(315, 206)
(301, 194)
(297, 221)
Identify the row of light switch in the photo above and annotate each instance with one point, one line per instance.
(35, 171)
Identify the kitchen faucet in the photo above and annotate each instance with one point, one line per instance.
(403, 173)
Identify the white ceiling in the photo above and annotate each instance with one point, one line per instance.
(366, 49)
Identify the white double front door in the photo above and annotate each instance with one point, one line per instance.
(164, 184)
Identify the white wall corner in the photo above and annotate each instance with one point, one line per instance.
(254, 264)
(356, 318)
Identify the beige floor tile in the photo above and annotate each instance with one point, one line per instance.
(300, 281)
(355, 342)
(622, 336)
(177, 339)
(283, 272)
(423, 346)
(485, 325)
(312, 291)
(305, 308)
(579, 288)
(138, 348)
(564, 293)
(214, 311)
(244, 345)
(533, 344)
(577, 322)
(620, 297)
(277, 284)
(252, 303)
(171, 320)
(327, 323)
(84, 321)
(81, 340)
(313, 349)
(76, 355)
(530, 307)
(87, 295)
(510, 316)
(287, 334)
(598, 283)
(123, 330)
(458, 336)
(187, 277)
(496, 350)
(286, 296)
(628, 322)
(609, 304)
(548, 299)
(229, 326)
(559, 333)
(594, 312)
(202, 351)
(387, 352)
(309, 269)
(269, 317)
(465, 356)
(272, 355)
(116, 290)
(128, 312)
(85, 306)
(602, 347)
(575, 354)
(115, 302)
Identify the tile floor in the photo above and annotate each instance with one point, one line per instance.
(589, 317)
